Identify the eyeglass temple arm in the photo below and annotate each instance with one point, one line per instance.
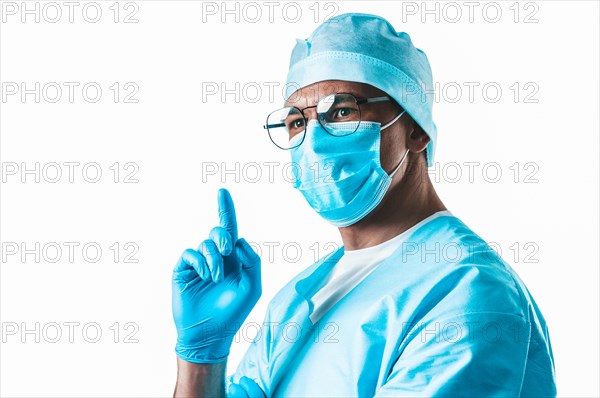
(271, 126)
(375, 99)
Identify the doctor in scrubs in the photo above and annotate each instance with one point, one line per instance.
(414, 304)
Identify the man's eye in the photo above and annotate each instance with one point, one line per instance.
(295, 124)
(343, 113)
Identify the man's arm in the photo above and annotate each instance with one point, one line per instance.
(200, 379)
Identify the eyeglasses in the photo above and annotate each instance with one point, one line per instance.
(287, 123)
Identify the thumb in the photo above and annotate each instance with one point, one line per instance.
(250, 264)
(248, 257)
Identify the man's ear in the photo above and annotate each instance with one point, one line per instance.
(418, 139)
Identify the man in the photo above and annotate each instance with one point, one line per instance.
(413, 304)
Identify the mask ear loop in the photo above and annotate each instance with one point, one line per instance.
(394, 120)
(400, 164)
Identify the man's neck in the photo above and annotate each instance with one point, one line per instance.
(408, 202)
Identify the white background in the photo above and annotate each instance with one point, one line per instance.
(544, 219)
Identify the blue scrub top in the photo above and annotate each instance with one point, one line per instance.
(444, 315)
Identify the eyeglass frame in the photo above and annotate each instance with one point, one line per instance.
(306, 120)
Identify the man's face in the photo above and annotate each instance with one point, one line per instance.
(393, 139)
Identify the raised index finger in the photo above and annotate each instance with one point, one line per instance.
(227, 218)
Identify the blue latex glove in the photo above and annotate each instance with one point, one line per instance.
(214, 290)
(247, 388)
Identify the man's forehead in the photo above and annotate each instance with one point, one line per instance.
(311, 94)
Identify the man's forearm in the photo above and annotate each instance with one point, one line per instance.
(200, 380)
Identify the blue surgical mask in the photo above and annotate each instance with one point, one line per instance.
(341, 176)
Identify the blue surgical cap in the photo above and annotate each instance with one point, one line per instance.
(367, 49)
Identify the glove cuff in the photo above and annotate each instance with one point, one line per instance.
(201, 355)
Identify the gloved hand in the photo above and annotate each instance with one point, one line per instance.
(247, 388)
(214, 290)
